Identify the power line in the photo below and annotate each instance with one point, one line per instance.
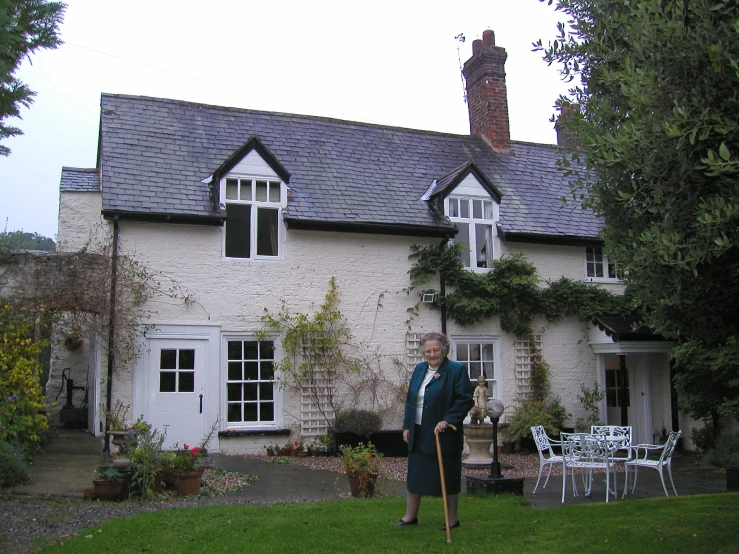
(216, 83)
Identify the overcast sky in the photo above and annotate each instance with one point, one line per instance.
(387, 62)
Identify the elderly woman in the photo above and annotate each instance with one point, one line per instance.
(439, 395)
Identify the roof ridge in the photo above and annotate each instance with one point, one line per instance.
(327, 119)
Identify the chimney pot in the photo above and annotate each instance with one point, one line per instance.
(488, 37)
(476, 47)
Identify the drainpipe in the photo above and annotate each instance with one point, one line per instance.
(442, 290)
(624, 392)
(111, 332)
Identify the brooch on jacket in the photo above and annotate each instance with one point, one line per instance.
(436, 375)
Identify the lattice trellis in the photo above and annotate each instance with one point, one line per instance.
(315, 405)
(413, 354)
(526, 356)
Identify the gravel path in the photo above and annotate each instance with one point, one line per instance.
(24, 518)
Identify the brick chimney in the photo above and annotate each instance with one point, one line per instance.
(564, 137)
(487, 99)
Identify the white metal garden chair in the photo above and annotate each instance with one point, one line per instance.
(586, 452)
(621, 448)
(642, 459)
(547, 457)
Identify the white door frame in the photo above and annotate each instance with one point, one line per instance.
(212, 391)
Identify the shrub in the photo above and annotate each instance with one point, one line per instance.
(550, 413)
(704, 438)
(13, 469)
(726, 451)
(360, 422)
(22, 416)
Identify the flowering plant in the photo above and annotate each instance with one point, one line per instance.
(187, 459)
(117, 417)
(363, 457)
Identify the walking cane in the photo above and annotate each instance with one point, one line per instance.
(443, 486)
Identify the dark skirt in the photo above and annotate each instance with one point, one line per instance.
(424, 477)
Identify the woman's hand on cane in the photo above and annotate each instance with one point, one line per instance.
(443, 426)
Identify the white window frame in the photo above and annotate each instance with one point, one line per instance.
(609, 269)
(255, 205)
(277, 390)
(495, 385)
(471, 222)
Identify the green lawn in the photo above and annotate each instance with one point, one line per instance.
(495, 524)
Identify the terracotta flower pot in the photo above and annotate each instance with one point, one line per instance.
(361, 483)
(188, 482)
(108, 490)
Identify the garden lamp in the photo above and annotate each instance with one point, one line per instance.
(494, 410)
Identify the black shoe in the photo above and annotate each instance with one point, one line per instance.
(443, 527)
(401, 522)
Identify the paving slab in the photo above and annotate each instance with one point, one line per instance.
(67, 466)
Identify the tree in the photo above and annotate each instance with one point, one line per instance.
(658, 159)
(25, 26)
(20, 240)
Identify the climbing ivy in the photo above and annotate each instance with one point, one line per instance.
(511, 291)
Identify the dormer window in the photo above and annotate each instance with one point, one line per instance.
(475, 218)
(253, 213)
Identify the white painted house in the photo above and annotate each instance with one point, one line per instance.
(246, 209)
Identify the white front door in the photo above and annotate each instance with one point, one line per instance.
(177, 389)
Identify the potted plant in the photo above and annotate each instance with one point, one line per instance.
(725, 454)
(187, 469)
(109, 486)
(122, 434)
(272, 449)
(145, 458)
(361, 464)
(311, 448)
(187, 465)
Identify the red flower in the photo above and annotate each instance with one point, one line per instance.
(186, 446)
(296, 443)
(195, 451)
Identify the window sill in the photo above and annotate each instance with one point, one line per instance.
(603, 280)
(252, 432)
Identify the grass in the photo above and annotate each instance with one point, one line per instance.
(693, 524)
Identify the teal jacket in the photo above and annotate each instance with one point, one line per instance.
(448, 398)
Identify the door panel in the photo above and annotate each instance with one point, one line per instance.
(177, 394)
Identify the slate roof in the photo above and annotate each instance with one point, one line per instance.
(75, 179)
(156, 153)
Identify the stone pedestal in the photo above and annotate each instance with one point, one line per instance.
(477, 485)
(479, 437)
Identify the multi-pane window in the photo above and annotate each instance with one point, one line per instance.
(250, 385)
(177, 370)
(479, 359)
(252, 218)
(614, 391)
(475, 219)
(597, 265)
